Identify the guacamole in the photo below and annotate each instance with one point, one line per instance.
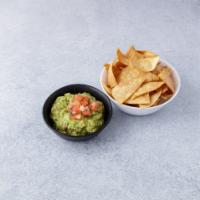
(77, 114)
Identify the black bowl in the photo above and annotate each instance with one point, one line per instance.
(76, 88)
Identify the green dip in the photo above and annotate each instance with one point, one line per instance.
(77, 114)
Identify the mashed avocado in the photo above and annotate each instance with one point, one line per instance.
(77, 114)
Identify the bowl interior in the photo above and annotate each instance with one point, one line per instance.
(177, 82)
(76, 88)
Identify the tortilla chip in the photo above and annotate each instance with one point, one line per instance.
(164, 89)
(150, 77)
(166, 97)
(143, 99)
(121, 57)
(159, 68)
(128, 74)
(123, 91)
(146, 64)
(166, 76)
(106, 66)
(134, 72)
(118, 64)
(146, 88)
(153, 99)
(133, 55)
(117, 67)
(130, 52)
(146, 53)
(107, 89)
(112, 82)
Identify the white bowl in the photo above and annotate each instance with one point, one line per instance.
(143, 111)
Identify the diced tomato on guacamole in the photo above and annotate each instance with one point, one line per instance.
(77, 114)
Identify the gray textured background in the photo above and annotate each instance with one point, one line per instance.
(47, 44)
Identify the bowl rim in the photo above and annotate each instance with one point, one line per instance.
(153, 107)
(71, 137)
